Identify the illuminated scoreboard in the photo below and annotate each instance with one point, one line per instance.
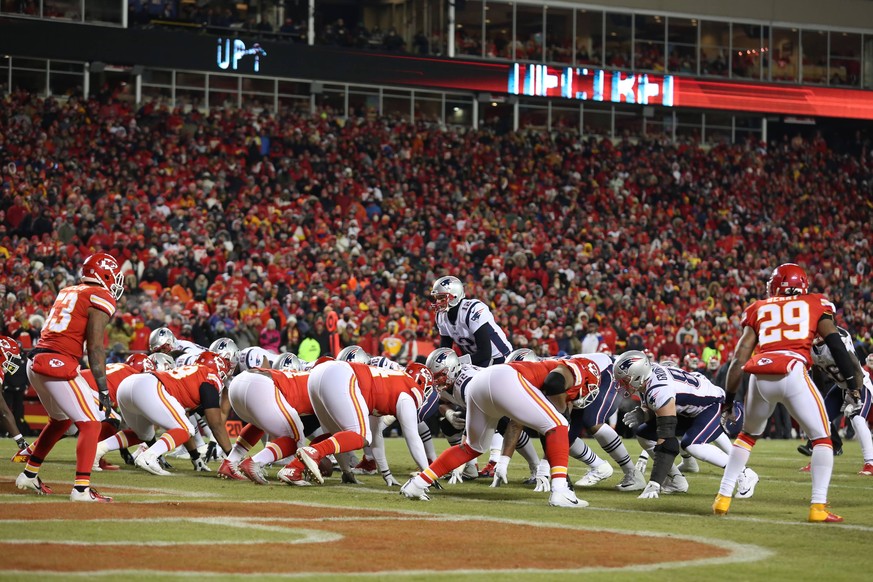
(589, 84)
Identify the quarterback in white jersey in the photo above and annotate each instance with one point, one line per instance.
(855, 408)
(468, 323)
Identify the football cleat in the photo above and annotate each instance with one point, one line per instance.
(674, 484)
(33, 483)
(310, 457)
(818, 513)
(689, 465)
(366, 467)
(253, 471)
(632, 481)
(805, 449)
(596, 475)
(22, 455)
(746, 484)
(566, 498)
(412, 491)
(149, 462)
(867, 469)
(89, 494)
(228, 470)
(806, 469)
(721, 505)
(488, 470)
(293, 476)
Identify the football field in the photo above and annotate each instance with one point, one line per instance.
(194, 525)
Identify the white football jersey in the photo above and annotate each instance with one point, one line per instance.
(824, 360)
(383, 362)
(190, 351)
(473, 314)
(692, 392)
(456, 396)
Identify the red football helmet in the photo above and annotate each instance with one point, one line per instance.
(10, 354)
(102, 268)
(218, 363)
(423, 377)
(587, 376)
(788, 279)
(140, 362)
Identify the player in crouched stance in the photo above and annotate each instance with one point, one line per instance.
(780, 330)
(349, 399)
(506, 390)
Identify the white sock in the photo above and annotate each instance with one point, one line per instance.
(737, 461)
(862, 434)
(820, 468)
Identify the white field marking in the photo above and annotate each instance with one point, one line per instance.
(308, 536)
(865, 485)
(122, 490)
(738, 552)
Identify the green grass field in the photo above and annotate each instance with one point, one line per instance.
(771, 525)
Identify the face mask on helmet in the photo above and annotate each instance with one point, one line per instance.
(227, 349)
(446, 292)
(140, 362)
(10, 354)
(423, 379)
(590, 387)
(162, 340)
(353, 354)
(631, 370)
(162, 362)
(444, 365)
(103, 269)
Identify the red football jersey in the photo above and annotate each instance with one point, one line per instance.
(381, 387)
(183, 383)
(786, 325)
(292, 385)
(115, 373)
(536, 372)
(64, 330)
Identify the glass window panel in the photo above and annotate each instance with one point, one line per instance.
(689, 124)
(190, 80)
(618, 40)
(559, 35)
(459, 112)
(468, 33)
(34, 64)
(533, 117)
(565, 118)
(103, 11)
(845, 59)
(19, 7)
(296, 104)
(256, 85)
(814, 67)
(157, 77)
(222, 99)
(659, 121)
(31, 81)
(628, 121)
(156, 94)
(193, 98)
(4, 74)
(294, 87)
(228, 82)
(428, 110)
(363, 104)
(682, 45)
(65, 83)
(589, 37)
(597, 119)
(648, 43)
(496, 116)
(394, 104)
(529, 33)
(255, 102)
(784, 53)
(332, 100)
(749, 50)
(62, 9)
(498, 30)
(718, 119)
(715, 48)
(66, 67)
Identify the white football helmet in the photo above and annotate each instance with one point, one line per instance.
(353, 354)
(289, 362)
(446, 292)
(522, 355)
(163, 362)
(445, 366)
(162, 340)
(227, 349)
(632, 370)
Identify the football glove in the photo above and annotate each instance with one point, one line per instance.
(389, 479)
(851, 403)
(544, 484)
(635, 417)
(456, 419)
(500, 470)
(349, 477)
(213, 452)
(457, 476)
(652, 491)
(200, 465)
(105, 403)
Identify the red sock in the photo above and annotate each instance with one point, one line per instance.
(51, 434)
(341, 442)
(558, 451)
(282, 447)
(86, 449)
(107, 429)
(249, 436)
(448, 460)
(174, 437)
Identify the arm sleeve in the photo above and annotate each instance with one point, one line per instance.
(407, 415)
(208, 396)
(842, 359)
(482, 357)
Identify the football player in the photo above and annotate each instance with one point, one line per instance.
(681, 404)
(510, 390)
(10, 361)
(78, 318)
(779, 331)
